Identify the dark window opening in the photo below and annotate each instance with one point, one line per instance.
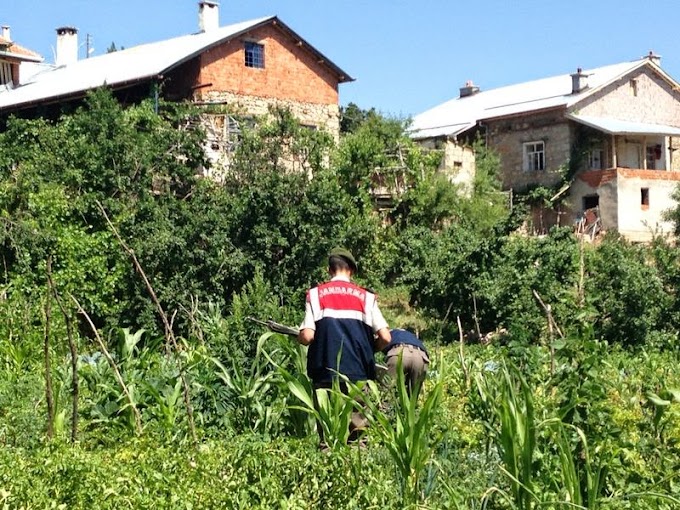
(254, 55)
(5, 73)
(644, 197)
(591, 202)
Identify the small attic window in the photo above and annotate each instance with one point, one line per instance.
(254, 54)
(634, 87)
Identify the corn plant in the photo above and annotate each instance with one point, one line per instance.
(168, 400)
(331, 408)
(252, 390)
(582, 481)
(406, 431)
(514, 431)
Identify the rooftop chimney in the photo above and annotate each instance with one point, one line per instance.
(469, 89)
(208, 15)
(579, 81)
(6, 33)
(67, 46)
(654, 58)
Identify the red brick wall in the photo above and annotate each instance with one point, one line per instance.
(291, 72)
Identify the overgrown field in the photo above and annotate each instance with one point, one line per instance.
(601, 431)
(132, 377)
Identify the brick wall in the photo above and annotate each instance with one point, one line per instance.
(508, 135)
(291, 72)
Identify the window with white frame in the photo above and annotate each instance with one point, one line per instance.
(534, 156)
(254, 53)
(596, 161)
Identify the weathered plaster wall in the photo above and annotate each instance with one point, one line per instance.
(620, 200)
(602, 183)
(458, 160)
(508, 135)
(656, 102)
(636, 221)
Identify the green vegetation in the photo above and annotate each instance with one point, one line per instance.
(131, 377)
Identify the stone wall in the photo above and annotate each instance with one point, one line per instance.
(320, 116)
(641, 97)
(458, 160)
(507, 136)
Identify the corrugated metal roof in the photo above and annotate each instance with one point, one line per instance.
(534, 95)
(624, 127)
(129, 65)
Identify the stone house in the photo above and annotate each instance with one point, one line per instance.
(245, 67)
(604, 139)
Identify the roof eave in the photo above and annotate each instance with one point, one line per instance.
(523, 113)
(20, 57)
(75, 95)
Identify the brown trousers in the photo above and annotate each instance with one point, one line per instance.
(414, 363)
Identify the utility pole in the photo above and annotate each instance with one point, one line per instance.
(88, 45)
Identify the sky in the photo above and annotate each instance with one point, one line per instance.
(406, 56)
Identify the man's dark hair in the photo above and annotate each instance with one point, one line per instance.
(336, 264)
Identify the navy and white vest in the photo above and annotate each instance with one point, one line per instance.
(343, 340)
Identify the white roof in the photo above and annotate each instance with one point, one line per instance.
(121, 67)
(449, 118)
(624, 127)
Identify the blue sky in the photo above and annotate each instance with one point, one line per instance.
(406, 55)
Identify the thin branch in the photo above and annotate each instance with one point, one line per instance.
(474, 303)
(169, 335)
(138, 267)
(548, 313)
(112, 364)
(75, 386)
(49, 395)
(552, 326)
(461, 344)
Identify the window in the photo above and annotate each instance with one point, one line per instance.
(534, 156)
(591, 202)
(644, 198)
(652, 154)
(634, 87)
(5, 73)
(254, 55)
(596, 159)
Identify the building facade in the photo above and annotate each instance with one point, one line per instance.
(605, 139)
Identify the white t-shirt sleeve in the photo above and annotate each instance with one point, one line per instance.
(308, 322)
(379, 321)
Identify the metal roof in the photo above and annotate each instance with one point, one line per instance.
(553, 92)
(624, 127)
(132, 65)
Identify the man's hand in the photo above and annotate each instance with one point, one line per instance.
(306, 336)
(383, 338)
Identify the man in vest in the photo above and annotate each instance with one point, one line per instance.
(343, 327)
